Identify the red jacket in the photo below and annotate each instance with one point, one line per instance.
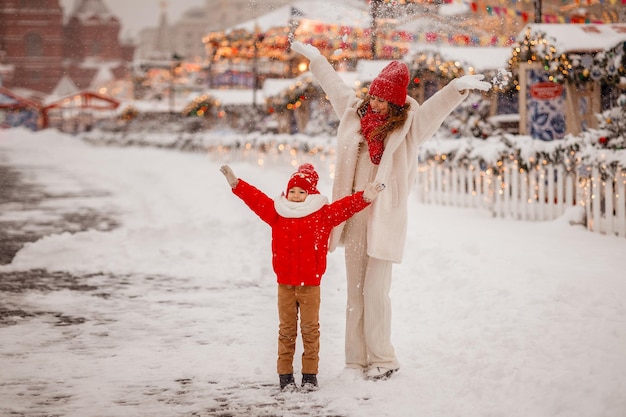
(300, 233)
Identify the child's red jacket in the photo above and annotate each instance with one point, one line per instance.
(300, 231)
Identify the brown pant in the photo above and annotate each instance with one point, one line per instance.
(306, 299)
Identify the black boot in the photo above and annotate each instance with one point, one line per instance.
(309, 382)
(287, 383)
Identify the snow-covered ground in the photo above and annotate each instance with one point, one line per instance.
(491, 317)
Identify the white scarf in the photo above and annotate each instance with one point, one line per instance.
(294, 210)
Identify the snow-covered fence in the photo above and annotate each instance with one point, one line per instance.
(542, 193)
(605, 203)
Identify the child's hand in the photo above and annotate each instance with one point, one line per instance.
(230, 175)
(371, 191)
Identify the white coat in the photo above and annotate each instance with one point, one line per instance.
(387, 219)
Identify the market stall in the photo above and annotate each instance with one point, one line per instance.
(566, 74)
(251, 52)
(79, 112)
(18, 111)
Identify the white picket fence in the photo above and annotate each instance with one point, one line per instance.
(544, 193)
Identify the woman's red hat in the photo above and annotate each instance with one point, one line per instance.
(392, 83)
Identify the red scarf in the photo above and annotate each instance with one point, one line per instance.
(376, 143)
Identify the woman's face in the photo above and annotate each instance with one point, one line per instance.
(296, 194)
(379, 105)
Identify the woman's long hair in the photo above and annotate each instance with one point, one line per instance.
(397, 117)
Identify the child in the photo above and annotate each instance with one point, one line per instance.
(301, 220)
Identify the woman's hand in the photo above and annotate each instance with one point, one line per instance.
(308, 51)
(471, 82)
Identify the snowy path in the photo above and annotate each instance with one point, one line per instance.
(172, 313)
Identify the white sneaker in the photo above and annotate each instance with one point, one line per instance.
(378, 373)
(352, 374)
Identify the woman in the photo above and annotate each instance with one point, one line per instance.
(378, 140)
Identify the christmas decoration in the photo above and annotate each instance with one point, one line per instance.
(201, 107)
(129, 113)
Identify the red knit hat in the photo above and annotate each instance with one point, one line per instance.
(392, 83)
(306, 178)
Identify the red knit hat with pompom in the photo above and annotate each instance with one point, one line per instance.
(306, 178)
(392, 83)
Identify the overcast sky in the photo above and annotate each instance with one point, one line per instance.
(138, 14)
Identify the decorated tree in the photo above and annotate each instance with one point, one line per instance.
(470, 119)
(203, 106)
(612, 126)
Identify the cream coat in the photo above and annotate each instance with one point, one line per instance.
(387, 219)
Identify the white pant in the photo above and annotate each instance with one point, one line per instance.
(368, 311)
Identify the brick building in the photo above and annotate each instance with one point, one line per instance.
(37, 48)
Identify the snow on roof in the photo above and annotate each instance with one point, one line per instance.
(368, 70)
(481, 59)
(9, 99)
(273, 86)
(65, 87)
(237, 97)
(348, 13)
(155, 106)
(86, 9)
(453, 9)
(428, 23)
(580, 37)
(94, 62)
(102, 77)
(351, 78)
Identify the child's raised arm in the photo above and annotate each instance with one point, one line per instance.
(230, 175)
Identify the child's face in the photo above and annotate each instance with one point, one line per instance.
(379, 105)
(296, 194)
